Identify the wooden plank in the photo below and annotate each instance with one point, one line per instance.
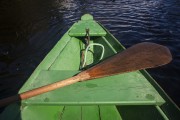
(71, 113)
(79, 29)
(42, 112)
(109, 113)
(122, 89)
(90, 113)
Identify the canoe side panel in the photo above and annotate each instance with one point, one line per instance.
(48, 60)
(69, 58)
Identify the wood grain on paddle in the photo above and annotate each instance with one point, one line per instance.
(137, 57)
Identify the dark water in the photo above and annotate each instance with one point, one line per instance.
(30, 28)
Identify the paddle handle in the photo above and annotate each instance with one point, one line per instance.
(9, 100)
(43, 89)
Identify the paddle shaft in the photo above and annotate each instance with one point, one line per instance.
(44, 89)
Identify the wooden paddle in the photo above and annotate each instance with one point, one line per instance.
(140, 56)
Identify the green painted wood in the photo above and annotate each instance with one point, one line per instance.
(87, 17)
(70, 53)
(90, 113)
(41, 112)
(123, 89)
(79, 29)
(109, 113)
(171, 110)
(113, 41)
(108, 51)
(71, 113)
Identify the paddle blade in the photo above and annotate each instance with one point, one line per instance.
(140, 56)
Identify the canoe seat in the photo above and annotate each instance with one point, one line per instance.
(79, 29)
(122, 89)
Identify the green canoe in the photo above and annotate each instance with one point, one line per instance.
(128, 96)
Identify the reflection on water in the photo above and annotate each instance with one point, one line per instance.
(29, 29)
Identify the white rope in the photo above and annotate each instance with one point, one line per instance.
(93, 44)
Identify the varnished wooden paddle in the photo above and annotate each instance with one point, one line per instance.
(140, 56)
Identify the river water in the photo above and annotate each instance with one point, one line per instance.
(30, 28)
